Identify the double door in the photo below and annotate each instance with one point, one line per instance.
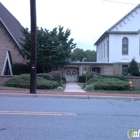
(71, 74)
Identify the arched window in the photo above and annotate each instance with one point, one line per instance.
(125, 44)
(124, 69)
(96, 69)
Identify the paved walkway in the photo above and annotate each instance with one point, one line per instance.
(73, 87)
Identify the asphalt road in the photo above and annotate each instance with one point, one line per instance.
(23, 118)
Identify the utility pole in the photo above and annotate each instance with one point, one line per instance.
(33, 47)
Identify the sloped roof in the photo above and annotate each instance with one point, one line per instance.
(109, 30)
(11, 24)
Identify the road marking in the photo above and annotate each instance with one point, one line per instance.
(38, 113)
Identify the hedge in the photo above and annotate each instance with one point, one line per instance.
(43, 75)
(107, 83)
(24, 82)
(19, 68)
(82, 78)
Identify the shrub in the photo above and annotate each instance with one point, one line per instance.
(89, 87)
(107, 83)
(82, 78)
(89, 75)
(19, 81)
(56, 76)
(46, 84)
(19, 68)
(133, 68)
(91, 81)
(63, 80)
(24, 82)
(111, 85)
(44, 75)
(60, 88)
(121, 77)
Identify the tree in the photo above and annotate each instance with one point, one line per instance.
(90, 55)
(78, 55)
(133, 68)
(53, 47)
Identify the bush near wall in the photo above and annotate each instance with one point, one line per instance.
(19, 68)
(54, 76)
(85, 77)
(43, 75)
(63, 80)
(23, 81)
(121, 77)
(107, 83)
(89, 75)
(82, 78)
(111, 85)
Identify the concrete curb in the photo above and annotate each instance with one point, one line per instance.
(67, 96)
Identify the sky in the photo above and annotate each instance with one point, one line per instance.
(87, 19)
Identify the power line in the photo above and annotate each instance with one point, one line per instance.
(120, 2)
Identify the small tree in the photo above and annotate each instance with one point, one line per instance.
(133, 68)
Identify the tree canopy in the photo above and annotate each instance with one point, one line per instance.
(79, 54)
(53, 47)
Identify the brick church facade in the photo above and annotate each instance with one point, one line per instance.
(10, 48)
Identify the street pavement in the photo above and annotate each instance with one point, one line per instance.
(67, 119)
(72, 90)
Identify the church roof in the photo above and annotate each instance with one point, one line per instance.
(109, 30)
(11, 24)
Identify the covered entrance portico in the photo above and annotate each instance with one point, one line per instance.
(75, 69)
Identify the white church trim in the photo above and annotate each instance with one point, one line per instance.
(109, 46)
(7, 67)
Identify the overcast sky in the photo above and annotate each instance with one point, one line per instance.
(87, 19)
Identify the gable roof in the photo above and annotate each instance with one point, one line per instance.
(109, 30)
(11, 24)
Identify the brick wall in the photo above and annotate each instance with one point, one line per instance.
(135, 80)
(105, 68)
(4, 79)
(7, 44)
(117, 69)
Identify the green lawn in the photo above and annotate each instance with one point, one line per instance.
(14, 88)
(11, 88)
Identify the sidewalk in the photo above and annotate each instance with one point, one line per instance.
(72, 90)
(73, 87)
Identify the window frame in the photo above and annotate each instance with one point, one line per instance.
(7, 62)
(125, 46)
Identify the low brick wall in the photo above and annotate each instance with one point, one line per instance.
(4, 79)
(135, 80)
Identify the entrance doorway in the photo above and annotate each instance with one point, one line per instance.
(71, 74)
